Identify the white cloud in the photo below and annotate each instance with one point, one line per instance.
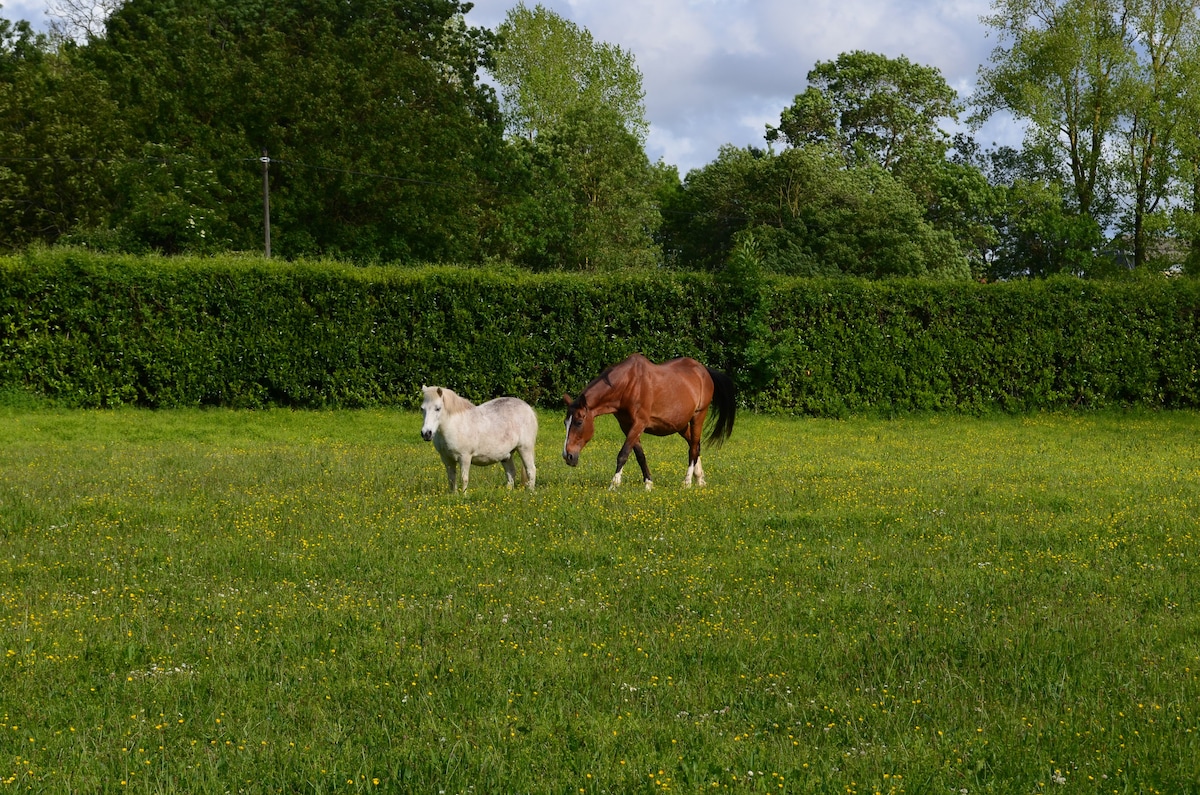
(34, 12)
(718, 71)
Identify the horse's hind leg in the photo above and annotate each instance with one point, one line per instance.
(694, 468)
(510, 470)
(692, 433)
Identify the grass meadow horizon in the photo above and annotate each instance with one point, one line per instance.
(279, 601)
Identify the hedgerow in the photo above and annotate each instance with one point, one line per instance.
(1016, 346)
(92, 330)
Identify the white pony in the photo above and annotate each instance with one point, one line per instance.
(464, 433)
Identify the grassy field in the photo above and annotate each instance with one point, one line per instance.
(218, 601)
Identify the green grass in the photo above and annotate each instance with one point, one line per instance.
(218, 601)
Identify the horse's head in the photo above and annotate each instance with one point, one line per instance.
(432, 407)
(580, 427)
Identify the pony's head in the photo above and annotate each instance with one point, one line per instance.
(432, 406)
(580, 427)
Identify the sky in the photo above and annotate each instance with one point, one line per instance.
(718, 72)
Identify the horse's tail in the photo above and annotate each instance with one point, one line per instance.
(724, 403)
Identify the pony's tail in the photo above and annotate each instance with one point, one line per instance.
(724, 403)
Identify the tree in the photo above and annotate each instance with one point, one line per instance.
(873, 109)
(1037, 233)
(1066, 70)
(547, 66)
(881, 112)
(1040, 237)
(1062, 71)
(574, 108)
(809, 215)
(1108, 83)
(59, 136)
(1186, 213)
(78, 20)
(1165, 35)
(383, 142)
(590, 204)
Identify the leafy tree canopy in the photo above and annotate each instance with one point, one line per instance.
(382, 138)
(547, 66)
(58, 134)
(872, 108)
(809, 215)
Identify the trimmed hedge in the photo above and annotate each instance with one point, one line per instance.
(93, 330)
(1016, 346)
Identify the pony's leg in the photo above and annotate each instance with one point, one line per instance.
(452, 475)
(465, 466)
(510, 471)
(530, 467)
(699, 473)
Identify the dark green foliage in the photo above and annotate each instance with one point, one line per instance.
(384, 145)
(588, 202)
(58, 135)
(1017, 346)
(749, 354)
(810, 216)
(91, 330)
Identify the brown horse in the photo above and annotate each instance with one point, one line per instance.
(659, 399)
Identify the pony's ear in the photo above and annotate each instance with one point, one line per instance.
(439, 391)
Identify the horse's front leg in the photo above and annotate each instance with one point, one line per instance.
(641, 459)
(633, 444)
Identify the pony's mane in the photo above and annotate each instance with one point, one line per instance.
(453, 402)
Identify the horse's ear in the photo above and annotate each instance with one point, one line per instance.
(566, 399)
(439, 391)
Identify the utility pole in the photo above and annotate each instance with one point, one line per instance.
(266, 164)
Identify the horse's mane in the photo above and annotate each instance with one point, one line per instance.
(454, 403)
(603, 377)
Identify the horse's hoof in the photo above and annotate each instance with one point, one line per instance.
(649, 485)
(687, 484)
